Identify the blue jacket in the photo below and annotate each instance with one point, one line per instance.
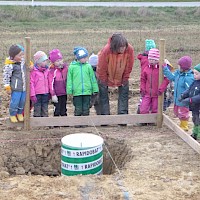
(182, 81)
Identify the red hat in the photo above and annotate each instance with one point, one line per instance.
(185, 62)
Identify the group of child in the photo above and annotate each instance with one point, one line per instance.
(185, 91)
(49, 82)
(57, 80)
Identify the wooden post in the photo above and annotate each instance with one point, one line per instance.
(160, 98)
(27, 104)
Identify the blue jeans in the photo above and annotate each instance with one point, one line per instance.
(17, 103)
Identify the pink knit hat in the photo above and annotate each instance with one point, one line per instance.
(185, 62)
(54, 55)
(154, 54)
(40, 57)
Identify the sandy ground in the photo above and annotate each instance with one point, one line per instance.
(149, 164)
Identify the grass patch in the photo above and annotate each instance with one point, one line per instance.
(64, 28)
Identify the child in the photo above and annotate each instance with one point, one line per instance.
(143, 58)
(191, 97)
(182, 78)
(149, 83)
(14, 79)
(57, 82)
(39, 85)
(167, 89)
(81, 82)
(93, 61)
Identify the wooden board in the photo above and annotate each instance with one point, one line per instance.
(92, 120)
(181, 133)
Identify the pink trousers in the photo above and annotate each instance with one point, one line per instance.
(149, 105)
(181, 112)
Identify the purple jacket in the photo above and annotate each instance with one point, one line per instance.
(39, 82)
(57, 80)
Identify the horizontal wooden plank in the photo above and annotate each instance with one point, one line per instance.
(91, 120)
(181, 133)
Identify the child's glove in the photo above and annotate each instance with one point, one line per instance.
(8, 89)
(159, 92)
(186, 101)
(54, 99)
(31, 66)
(124, 82)
(103, 83)
(164, 65)
(34, 99)
(142, 93)
(181, 98)
(167, 62)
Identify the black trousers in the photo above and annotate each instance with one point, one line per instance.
(122, 99)
(60, 108)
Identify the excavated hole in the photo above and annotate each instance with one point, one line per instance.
(43, 157)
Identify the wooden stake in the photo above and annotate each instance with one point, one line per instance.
(160, 98)
(27, 104)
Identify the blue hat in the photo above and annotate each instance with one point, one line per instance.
(149, 44)
(80, 52)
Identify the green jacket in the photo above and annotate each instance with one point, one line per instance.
(81, 79)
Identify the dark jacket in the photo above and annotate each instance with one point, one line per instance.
(193, 92)
(14, 74)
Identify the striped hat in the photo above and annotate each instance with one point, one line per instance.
(154, 54)
(40, 57)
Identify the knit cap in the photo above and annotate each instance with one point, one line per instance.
(40, 57)
(185, 62)
(55, 55)
(197, 67)
(14, 50)
(93, 60)
(80, 52)
(149, 44)
(154, 54)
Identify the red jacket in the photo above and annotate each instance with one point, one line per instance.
(143, 58)
(114, 69)
(150, 81)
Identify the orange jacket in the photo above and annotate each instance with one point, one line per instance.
(114, 69)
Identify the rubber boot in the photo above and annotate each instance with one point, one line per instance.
(13, 119)
(184, 125)
(20, 117)
(195, 132)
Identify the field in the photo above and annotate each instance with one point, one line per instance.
(151, 163)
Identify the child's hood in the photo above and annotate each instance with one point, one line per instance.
(9, 61)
